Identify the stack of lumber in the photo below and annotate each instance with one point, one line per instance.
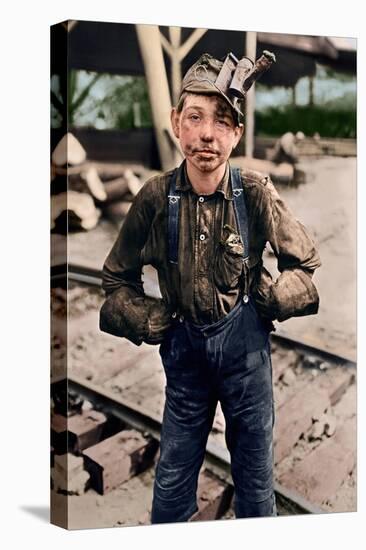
(82, 190)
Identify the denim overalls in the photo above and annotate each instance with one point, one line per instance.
(228, 361)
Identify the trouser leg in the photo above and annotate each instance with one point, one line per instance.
(247, 404)
(187, 420)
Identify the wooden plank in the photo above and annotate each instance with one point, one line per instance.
(336, 383)
(294, 417)
(213, 497)
(320, 474)
(140, 367)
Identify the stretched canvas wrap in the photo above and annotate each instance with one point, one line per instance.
(113, 86)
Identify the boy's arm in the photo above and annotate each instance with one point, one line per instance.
(293, 294)
(127, 312)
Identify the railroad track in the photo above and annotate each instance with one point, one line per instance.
(92, 437)
(124, 413)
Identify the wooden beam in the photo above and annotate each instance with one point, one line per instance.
(190, 42)
(166, 45)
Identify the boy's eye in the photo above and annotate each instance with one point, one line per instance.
(222, 122)
(194, 117)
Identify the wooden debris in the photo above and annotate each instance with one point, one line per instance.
(288, 377)
(336, 383)
(68, 475)
(94, 183)
(283, 172)
(81, 205)
(68, 151)
(294, 417)
(320, 474)
(213, 497)
(281, 360)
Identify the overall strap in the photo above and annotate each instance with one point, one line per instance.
(240, 209)
(173, 219)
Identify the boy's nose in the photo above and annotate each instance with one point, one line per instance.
(207, 130)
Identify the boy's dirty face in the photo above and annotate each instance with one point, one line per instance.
(206, 130)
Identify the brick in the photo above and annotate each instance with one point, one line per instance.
(76, 432)
(294, 417)
(213, 497)
(320, 474)
(117, 458)
(85, 429)
(59, 433)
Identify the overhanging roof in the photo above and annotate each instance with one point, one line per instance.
(113, 48)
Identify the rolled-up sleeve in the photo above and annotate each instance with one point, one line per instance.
(293, 293)
(123, 265)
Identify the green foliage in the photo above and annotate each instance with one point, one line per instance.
(334, 121)
(118, 106)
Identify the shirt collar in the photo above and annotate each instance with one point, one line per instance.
(183, 183)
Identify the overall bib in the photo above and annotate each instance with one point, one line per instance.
(227, 361)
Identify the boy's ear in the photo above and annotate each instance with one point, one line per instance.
(239, 130)
(174, 117)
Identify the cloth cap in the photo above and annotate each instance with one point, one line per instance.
(201, 79)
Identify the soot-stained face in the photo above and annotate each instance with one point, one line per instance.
(207, 132)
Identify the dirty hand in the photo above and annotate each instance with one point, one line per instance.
(263, 296)
(158, 322)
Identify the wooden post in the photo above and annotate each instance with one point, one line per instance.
(251, 52)
(176, 73)
(294, 95)
(311, 91)
(152, 55)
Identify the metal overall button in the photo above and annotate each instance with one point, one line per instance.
(245, 298)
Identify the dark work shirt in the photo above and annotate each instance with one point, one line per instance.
(205, 284)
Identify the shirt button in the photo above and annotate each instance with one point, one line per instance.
(201, 199)
(202, 237)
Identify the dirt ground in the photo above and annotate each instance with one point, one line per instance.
(326, 204)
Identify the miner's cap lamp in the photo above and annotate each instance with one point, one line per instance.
(231, 78)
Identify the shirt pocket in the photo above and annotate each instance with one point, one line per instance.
(228, 265)
(228, 268)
